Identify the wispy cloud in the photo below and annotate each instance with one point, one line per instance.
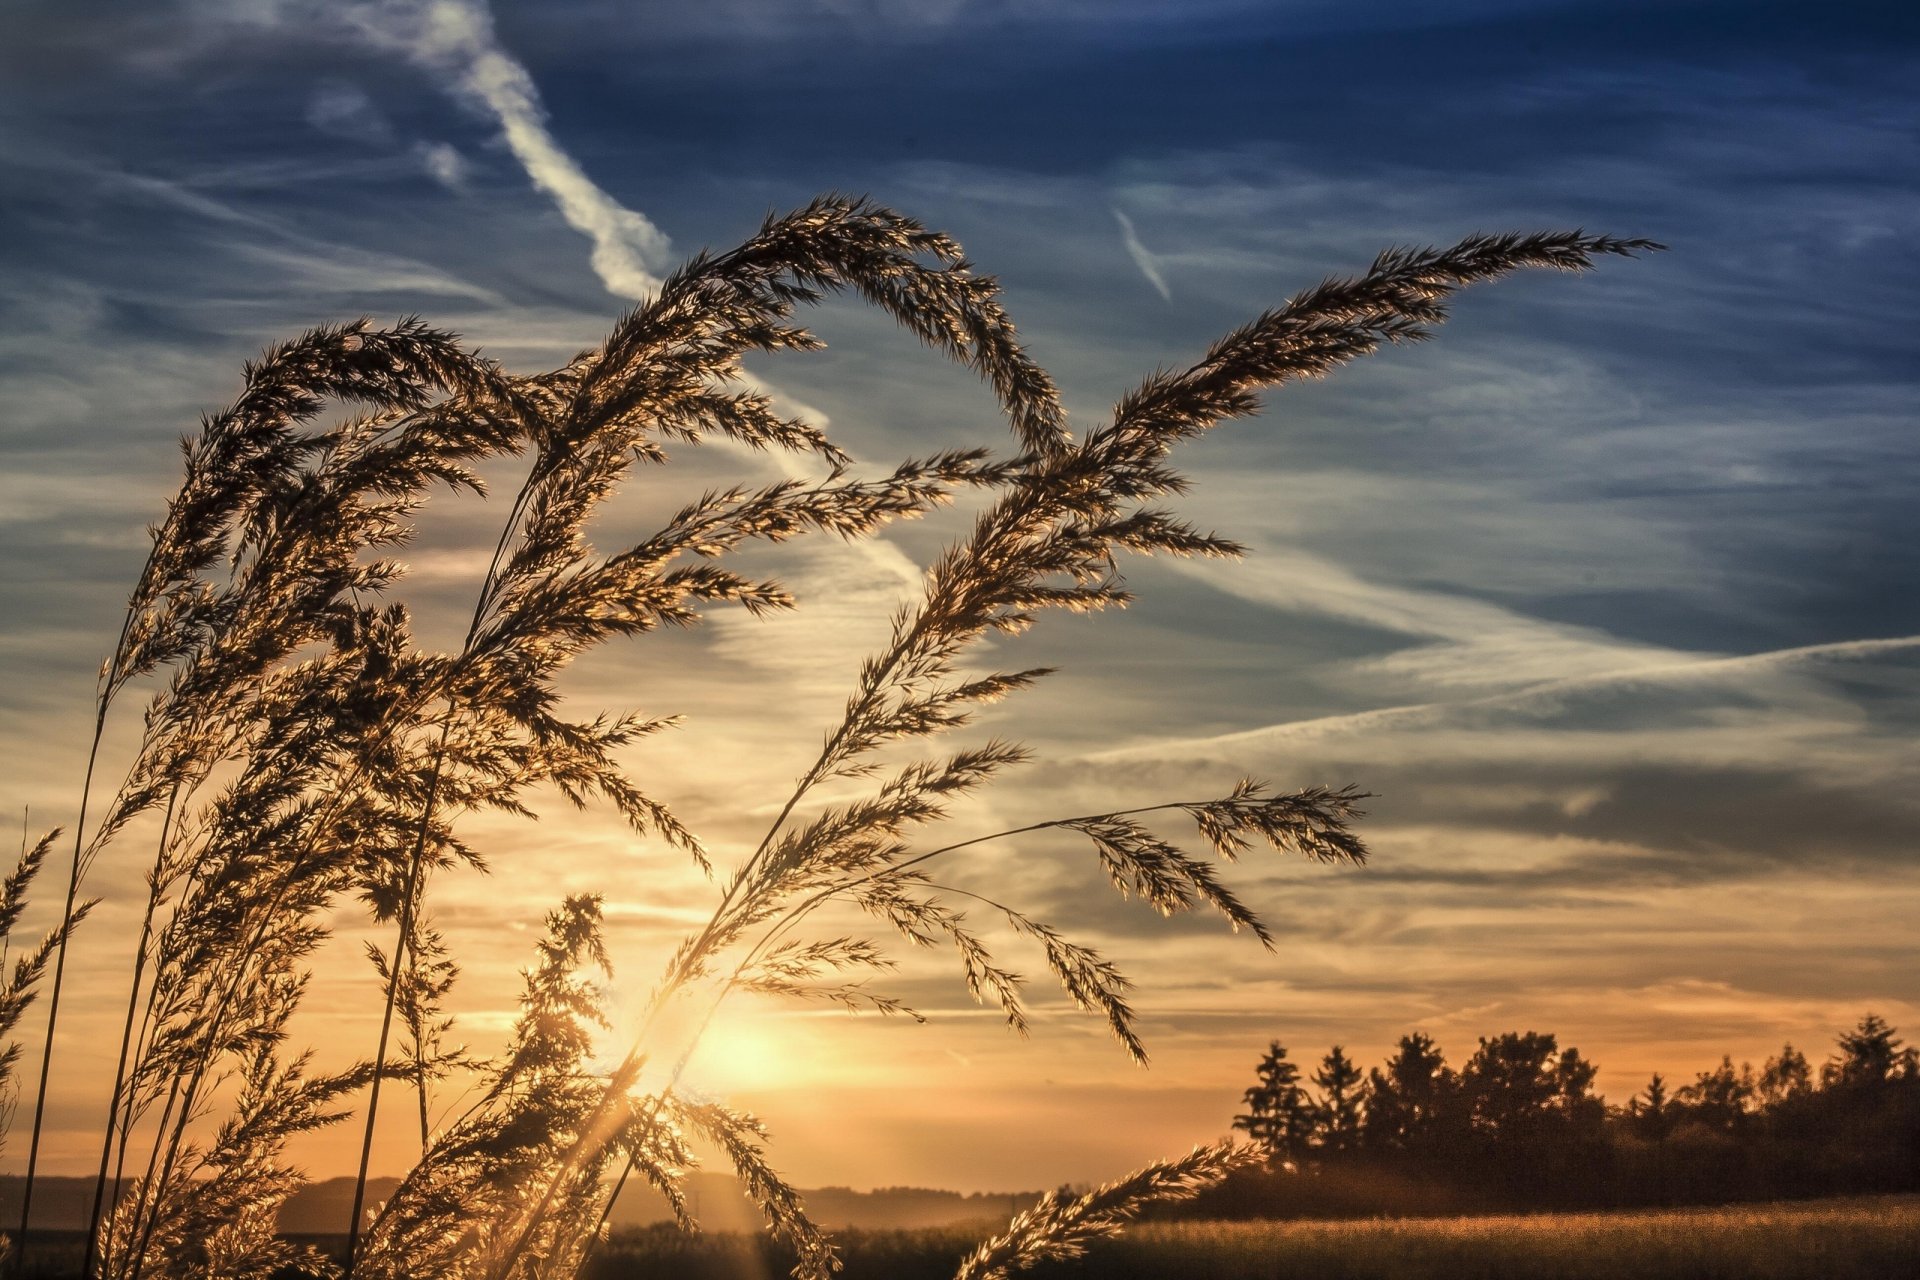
(1149, 265)
(1471, 643)
(309, 262)
(342, 110)
(1542, 699)
(455, 40)
(444, 164)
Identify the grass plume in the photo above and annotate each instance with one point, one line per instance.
(304, 751)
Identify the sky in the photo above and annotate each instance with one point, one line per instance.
(1610, 595)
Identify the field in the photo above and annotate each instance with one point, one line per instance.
(1806, 1240)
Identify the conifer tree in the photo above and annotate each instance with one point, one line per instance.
(1342, 1089)
(1280, 1116)
(1405, 1101)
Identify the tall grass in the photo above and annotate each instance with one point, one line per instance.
(1822, 1240)
(1863, 1239)
(303, 750)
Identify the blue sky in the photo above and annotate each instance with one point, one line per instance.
(1610, 592)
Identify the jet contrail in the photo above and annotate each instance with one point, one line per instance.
(454, 40)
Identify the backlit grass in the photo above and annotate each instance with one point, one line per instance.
(1863, 1237)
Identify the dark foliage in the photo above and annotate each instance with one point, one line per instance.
(1519, 1127)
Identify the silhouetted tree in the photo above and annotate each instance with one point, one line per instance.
(1342, 1089)
(1864, 1123)
(1536, 1130)
(1573, 1076)
(1722, 1098)
(1519, 1127)
(1785, 1075)
(1650, 1116)
(1509, 1086)
(1406, 1101)
(1652, 1111)
(1870, 1054)
(1279, 1115)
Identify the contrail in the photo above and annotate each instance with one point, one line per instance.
(454, 40)
(1142, 258)
(1415, 714)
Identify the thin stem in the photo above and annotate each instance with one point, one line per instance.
(410, 890)
(807, 904)
(146, 1208)
(60, 953)
(420, 1091)
(542, 468)
(126, 1044)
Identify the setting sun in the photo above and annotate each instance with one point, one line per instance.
(1302, 614)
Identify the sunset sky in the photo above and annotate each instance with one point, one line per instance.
(1611, 594)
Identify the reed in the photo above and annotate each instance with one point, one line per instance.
(304, 751)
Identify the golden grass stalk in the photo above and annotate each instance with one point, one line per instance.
(347, 756)
(1060, 1227)
(1050, 542)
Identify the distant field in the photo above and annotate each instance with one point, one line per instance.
(1804, 1240)
(1853, 1239)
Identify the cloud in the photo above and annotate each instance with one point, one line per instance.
(444, 164)
(1543, 701)
(342, 110)
(360, 274)
(1149, 265)
(301, 259)
(1473, 643)
(455, 40)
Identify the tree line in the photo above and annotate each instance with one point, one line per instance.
(1519, 1126)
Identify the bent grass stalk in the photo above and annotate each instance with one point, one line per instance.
(358, 753)
(397, 367)
(114, 1101)
(1066, 513)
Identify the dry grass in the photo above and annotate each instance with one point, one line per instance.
(1855, 1239)
(1803, 1241)
(301, 750)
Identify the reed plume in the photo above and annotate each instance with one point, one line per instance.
(1051, 541)
(1060, 1227)
(304, 751)
(18, 981)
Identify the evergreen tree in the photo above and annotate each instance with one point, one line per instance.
(1279, 1115)
(1405, 1101)
(1510, 1087)
(1651, 1117)
(1870, 1054)
(1652, 1112)
(1342, 1089)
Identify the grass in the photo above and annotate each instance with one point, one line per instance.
(302, 750)
(1841, 1239)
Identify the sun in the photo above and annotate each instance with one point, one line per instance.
(746, 1054)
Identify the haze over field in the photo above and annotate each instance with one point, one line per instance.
(1609, 593)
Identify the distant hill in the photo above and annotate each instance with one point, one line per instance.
(716, 1199)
